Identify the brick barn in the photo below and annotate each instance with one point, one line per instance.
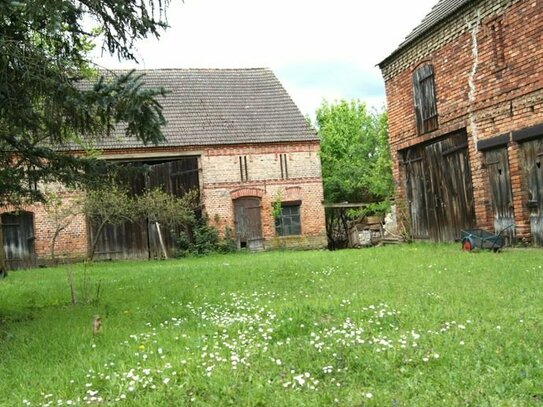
(236, 135)
(465, 105)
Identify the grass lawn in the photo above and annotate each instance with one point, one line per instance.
(413, 325)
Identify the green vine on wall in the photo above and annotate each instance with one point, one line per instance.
(276, 205)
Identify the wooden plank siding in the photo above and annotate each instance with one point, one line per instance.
(18, 238)
(532, 173)
(176, 178)
(424, 96)
(139, 239)
(439, 189)
(248, 221)
(496, 162)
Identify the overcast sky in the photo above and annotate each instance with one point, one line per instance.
(319, 49)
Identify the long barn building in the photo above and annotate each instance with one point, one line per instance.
(233, 134)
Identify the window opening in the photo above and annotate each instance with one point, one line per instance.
(244, 173)
(425, 99)
(496, 36)
(288, 221)
(284, 166)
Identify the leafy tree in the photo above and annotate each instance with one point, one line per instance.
(355, 157)
(44, 109)
(166, 209)
(108, 205)
(161, 208)
(356, 163)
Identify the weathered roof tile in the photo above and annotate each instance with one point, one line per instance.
(442, 10)
(222, 106)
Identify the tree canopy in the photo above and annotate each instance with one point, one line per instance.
(355, 156)
(45, 111)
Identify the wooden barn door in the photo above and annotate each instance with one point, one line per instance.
(248, 222)
(456, 187)
(176, 178)
(127, 240)
(418, 194)
(532, 171)
(497, 165)
(439, 189)
(18, 233)
(140, 239)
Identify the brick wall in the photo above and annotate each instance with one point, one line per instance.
(221, 180)
(474, 89)
(220, 183)
(72, 239)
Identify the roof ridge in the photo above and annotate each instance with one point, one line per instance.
(186, 69)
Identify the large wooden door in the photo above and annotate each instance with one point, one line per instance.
(127, 240)
(457, 189)
(439, 189)
(176, 178)
(18, 233)
(418, 192)
(139, 239)
(496, 163)
(248, 221)
(532, 171)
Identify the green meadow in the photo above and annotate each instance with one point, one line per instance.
(410, 325)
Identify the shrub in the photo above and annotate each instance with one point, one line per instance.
(228, 243)
(205, 240)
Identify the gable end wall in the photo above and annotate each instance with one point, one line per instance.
(473, 92)
(221, 182)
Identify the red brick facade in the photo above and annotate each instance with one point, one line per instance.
(220, 186)
(71, 241)
(486, 83)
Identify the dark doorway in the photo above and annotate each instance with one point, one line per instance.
(496, 163)
(439, 188)
(18, 233)
(248, 223)
(531, 164)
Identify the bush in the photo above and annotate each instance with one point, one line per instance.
(205, 240)
(228, 244)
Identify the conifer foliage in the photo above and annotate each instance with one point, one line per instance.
(45, 111)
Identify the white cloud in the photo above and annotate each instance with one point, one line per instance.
(318, 48)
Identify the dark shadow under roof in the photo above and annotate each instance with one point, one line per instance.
(442, 10)
(222, 106)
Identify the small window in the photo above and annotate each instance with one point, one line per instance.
(425, 99)
(288, 221)
(244, 173)
(495, 28)
(284, 166)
